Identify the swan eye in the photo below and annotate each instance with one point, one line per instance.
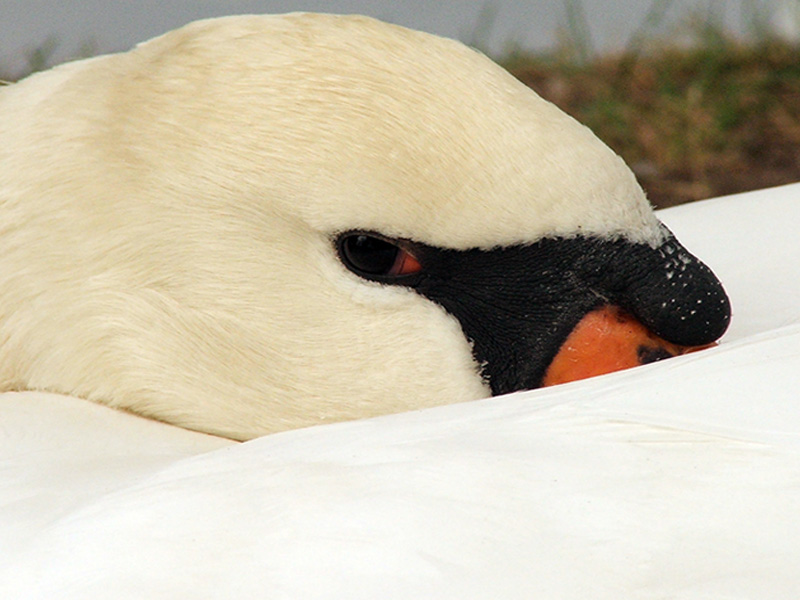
(370, 256)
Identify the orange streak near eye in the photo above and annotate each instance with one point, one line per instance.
(405, 264)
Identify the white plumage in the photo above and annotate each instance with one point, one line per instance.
(148, 202)
(675, 480)
(168, 216)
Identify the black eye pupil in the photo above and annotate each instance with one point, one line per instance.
(368, 254)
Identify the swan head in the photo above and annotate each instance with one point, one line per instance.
(253, 224)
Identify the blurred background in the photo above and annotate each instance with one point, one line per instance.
(700, 97)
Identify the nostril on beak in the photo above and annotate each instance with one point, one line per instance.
(650, 354)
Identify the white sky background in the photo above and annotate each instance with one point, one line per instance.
(112, 25)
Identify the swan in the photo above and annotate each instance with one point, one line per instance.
(260, 223)
(167, 252)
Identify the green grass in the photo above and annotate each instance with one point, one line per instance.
(711, 115)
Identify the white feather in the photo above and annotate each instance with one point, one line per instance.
(680, 479)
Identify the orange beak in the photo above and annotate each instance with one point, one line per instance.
(609, 339)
